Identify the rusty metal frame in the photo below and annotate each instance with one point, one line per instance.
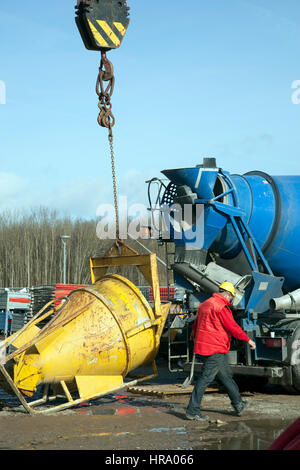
(121, 254)
(70, 401)
(38, 317)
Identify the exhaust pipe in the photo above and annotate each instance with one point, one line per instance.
(290, 301)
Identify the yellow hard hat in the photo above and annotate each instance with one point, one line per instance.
(228, 287)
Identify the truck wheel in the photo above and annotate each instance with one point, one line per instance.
(295, 359)
(293, 345)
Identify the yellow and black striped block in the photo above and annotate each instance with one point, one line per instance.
(107, 35)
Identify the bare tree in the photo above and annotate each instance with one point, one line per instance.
(31, 252)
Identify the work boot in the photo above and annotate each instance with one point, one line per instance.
(196, 417)
(242, 407)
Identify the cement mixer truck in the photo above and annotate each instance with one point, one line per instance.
(244, 229)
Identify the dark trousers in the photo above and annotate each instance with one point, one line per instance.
(215, 366)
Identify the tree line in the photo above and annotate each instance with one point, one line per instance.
(31, 251)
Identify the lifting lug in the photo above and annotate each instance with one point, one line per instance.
(108, 72)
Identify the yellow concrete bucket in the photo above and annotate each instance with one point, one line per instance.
(96, 338)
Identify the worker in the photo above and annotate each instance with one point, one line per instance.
(212, 331)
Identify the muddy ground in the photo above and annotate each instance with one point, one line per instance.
(127, 421)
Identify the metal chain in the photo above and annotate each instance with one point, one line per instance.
(115, 192)
(106, 74)
(107, 119)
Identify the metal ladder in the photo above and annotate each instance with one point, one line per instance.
(175, 326)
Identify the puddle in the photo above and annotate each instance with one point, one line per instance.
(250, 435)
(180, 430)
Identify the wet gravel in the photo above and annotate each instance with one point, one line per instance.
(127, 421)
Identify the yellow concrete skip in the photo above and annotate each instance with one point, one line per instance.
(101, 334)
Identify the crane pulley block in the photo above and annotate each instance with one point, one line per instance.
(102, 23)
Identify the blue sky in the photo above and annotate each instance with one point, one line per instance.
(193, 79)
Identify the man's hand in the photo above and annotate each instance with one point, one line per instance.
(252, 344)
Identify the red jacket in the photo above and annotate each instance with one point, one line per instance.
(214, 326)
